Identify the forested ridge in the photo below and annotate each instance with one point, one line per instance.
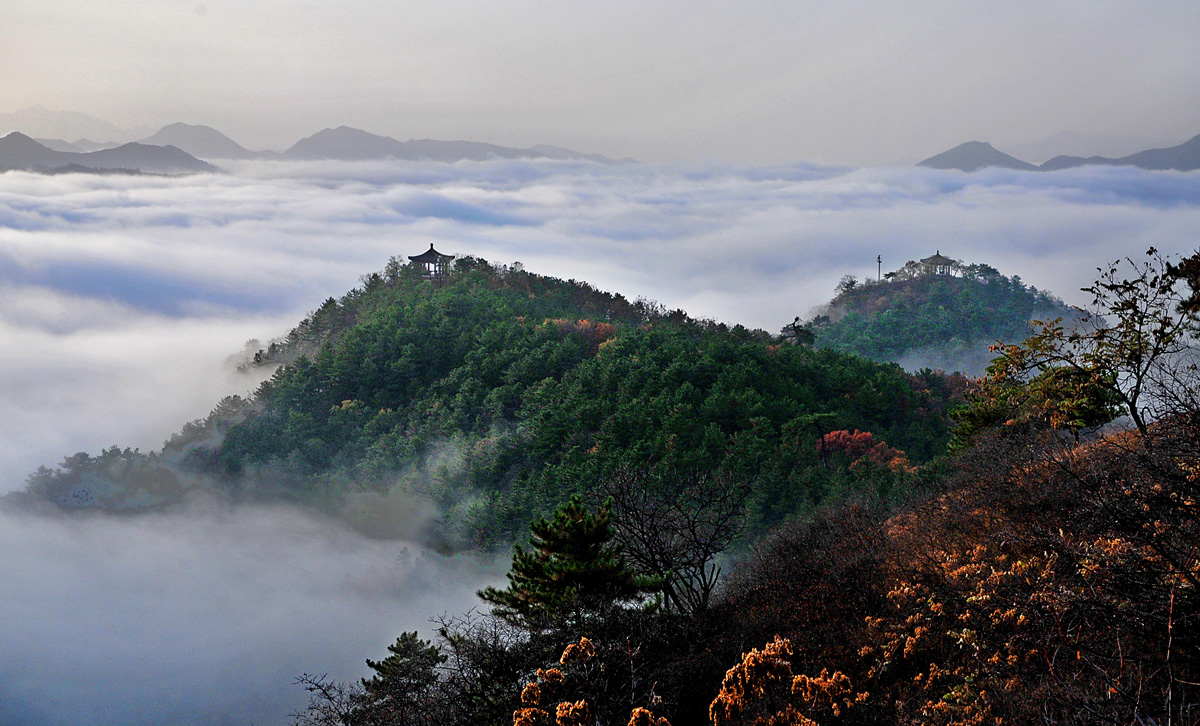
(500, 393)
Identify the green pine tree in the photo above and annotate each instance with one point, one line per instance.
(402, 681)
(572, 567)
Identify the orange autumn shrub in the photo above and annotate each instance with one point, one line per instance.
(567, 685)
(761, 691)
(1051, 582)
(645, 717)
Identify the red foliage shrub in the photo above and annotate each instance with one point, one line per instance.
(592, 331)
(862, 446)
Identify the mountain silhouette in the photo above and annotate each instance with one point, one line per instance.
(344, 143)
(560, 153)
(1067, 162)
(1079, 144)
(147, 158)
(18, 151)
(975, 155)
(44, 123)
(352, 144)
(1184, 157)
(86, 144)
(73, 132)
(202, 142)
(60, 145)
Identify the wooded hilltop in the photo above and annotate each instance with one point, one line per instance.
(932, 313)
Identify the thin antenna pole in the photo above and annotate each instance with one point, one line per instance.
(879, 272)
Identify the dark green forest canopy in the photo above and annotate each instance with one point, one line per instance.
(952, 316)
(503, 393)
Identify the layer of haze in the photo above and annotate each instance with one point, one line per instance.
(763, 81)
(203, 618)
(121, 298)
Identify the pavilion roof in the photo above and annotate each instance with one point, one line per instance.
(937, 259)
(430, 255)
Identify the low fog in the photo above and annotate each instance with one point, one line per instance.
(203, 617)
(122, 298)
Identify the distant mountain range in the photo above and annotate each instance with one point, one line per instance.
(354, 144)
(53, 129)
(351, 144)
(1075, 143)
(178, 149)
(44, 123)
(978, 154)
(18, 151)
(78, 146)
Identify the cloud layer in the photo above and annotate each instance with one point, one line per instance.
(202, 618)
(121, 296)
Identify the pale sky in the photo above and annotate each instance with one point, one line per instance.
(755, 81)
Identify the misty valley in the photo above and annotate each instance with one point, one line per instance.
(550, 439)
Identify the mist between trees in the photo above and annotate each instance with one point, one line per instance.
(203, 615)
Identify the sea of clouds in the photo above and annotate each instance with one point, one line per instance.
(203, 617)
(122, 298)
